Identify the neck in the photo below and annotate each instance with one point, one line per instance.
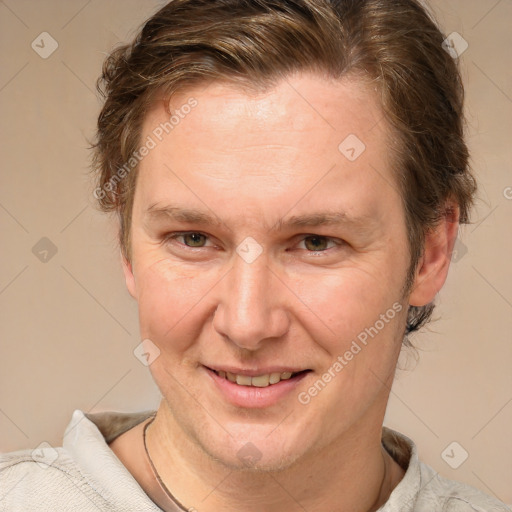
(353, 473)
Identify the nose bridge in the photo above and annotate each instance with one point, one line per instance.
(250, 309)
(252, 286)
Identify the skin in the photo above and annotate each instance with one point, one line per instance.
(251, 160)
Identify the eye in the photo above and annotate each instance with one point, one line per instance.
(318, 243)
(191, 239)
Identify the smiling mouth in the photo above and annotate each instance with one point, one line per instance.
(259, 381)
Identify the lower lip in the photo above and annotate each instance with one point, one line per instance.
(252, 396)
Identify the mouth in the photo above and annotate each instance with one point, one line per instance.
(255, 388)
(259, 381)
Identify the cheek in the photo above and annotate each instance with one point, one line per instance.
(342, 303)
(360, 357)
(170, 300)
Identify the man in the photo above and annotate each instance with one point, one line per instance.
(289, 178)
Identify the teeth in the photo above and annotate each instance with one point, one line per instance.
(274, 378)
(260, 381)
(243, 380)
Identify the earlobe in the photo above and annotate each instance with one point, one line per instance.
(432, 269)
(128, 276)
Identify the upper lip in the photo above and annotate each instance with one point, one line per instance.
(254, 372)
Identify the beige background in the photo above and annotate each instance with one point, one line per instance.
(69, 327)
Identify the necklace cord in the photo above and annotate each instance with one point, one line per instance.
(161, 483)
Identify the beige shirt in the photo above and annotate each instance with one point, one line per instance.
(85, 475)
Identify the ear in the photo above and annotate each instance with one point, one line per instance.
(433, 266)
(128, 276)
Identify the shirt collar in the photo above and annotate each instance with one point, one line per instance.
(85, 442)
(404, 452)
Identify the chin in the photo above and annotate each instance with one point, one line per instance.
(254, 448)
(254, 460)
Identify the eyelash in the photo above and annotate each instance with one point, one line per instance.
(335, 241)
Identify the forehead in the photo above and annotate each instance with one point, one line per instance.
(273, 144)
(301, 103)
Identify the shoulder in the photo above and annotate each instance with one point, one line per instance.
(422, 489)
(84, 474)
(45, 479)
(453, 496)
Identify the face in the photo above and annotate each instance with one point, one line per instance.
(261, 247)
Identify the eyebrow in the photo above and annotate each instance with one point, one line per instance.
(316, 219)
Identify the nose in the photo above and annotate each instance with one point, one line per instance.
(252, 304)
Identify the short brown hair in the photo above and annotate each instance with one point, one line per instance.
(395, 44)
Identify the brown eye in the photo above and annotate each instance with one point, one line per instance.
(316, 243)
(193, 239)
